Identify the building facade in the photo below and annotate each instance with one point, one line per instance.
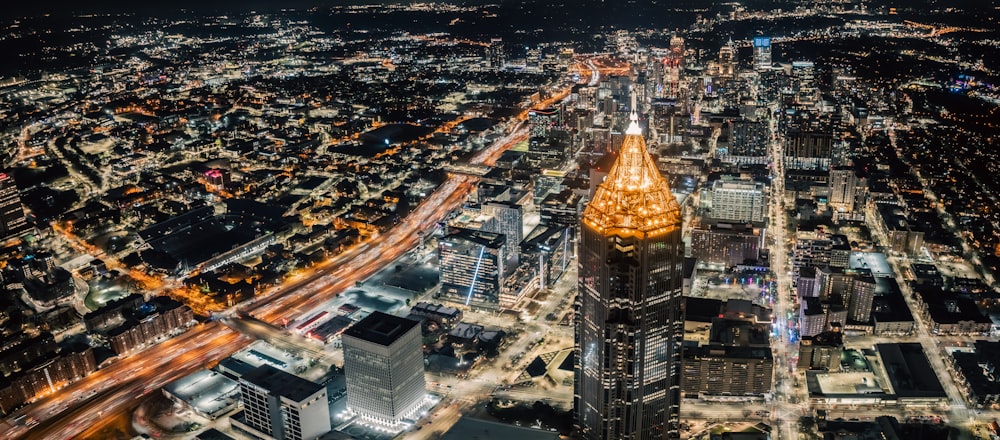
(720, 372)
(472, 267)
(384, 368)
(726, 244)
(737, 201)
(282, 406)
(762, 52)
(12, 219)
(630, 321)
(510, 223)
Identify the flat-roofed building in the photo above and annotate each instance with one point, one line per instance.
(384, 369)
(282, 406)
(737, 201)
(725, 243)
(472, 267)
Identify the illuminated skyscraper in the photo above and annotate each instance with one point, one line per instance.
(630, 322)
(12, 218)
(497, 56)
(510, 223)
(727, 60)
(472, 267)
(762, 52)
(384, 367)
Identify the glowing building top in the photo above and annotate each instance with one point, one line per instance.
(634, 198)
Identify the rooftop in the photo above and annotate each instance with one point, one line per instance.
(281, 383)
(468, 428)
(909, 371)
(380, 328)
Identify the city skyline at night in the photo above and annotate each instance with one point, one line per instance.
(466, 219)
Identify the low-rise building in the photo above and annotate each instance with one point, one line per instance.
(947, 313)
(975, 373)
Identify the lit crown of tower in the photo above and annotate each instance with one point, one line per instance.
(634, 198)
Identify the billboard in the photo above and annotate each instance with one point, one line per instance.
(762, 42)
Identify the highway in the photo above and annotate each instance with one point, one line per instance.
(112, 390)
(115, 387)
(107, 393)
(192, 350)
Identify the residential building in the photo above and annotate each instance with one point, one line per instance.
(742, 201)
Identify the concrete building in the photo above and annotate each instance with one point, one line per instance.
(890, 313)
(497, 54)
(975, 373)
(550, 248)
(278, 405)
(562, 208)
(897, 232)
(946, 313)
(384, 368)
(854, 288)
(840, 251)
(437, 312)
(845, 189)
(47, 372)
(736, 201)
(727, 352)
(860, 296)
(725, 243)
(149, 321)
(812, 249)
(816, 316)
(808, 284)
(630, 320)
(809, 137)
(717, 372)
(821, 352)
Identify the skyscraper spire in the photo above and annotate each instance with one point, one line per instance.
(634, 198)
(630, 319)
(633, 118)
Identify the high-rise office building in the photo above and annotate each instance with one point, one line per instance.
(12, 218)
(384, 368)
(726, 243)
(727, 59)
(673, 64)
(497, 55)
(472, 266)
(761, 52)
(809, 141)
(843, 187)
(510, 223)
(630, 321)
(282, 406)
